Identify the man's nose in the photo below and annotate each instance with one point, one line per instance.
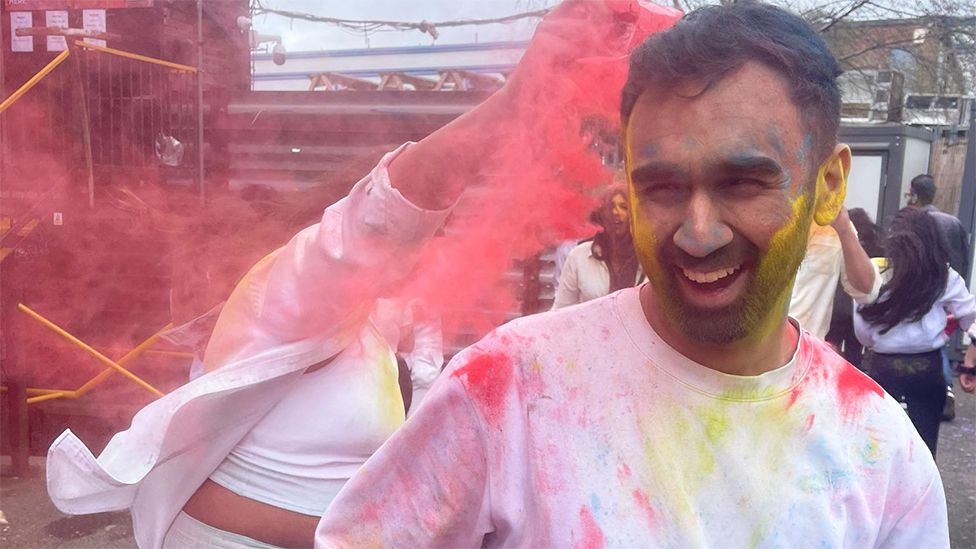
(702, 231)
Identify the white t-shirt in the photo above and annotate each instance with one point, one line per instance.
(812, 302)
(582, 428)
(583, 277)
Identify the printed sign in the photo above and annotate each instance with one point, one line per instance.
(57, 18)
(23, 5)
(21, 20)
(94, 20)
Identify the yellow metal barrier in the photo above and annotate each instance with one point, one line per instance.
(33, 80)
(99, 356)
(136, 56)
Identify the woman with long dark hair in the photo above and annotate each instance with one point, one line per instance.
(904, 330)
(606, 263)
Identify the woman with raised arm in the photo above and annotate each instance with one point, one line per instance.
(904, 330)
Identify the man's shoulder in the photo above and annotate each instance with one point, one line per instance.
(856, 400)
(521, 341)
(542, 329)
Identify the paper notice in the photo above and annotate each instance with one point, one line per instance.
(21, 20)
(57, 18)
(94, 21)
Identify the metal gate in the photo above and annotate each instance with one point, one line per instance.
(107, 116)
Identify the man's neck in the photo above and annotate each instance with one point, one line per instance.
(750, 356)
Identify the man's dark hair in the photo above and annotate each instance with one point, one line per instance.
(712, 42)
(923, 187)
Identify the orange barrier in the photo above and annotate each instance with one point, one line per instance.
(48, 394)
(33, 80)
(136, 56)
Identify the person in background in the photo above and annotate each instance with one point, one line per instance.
(606, 263)
(904, 330)
(967, 372)
(841, 333)
(953, 233)
(956, 241)
(833, 254)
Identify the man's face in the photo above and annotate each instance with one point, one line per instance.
(722, 195)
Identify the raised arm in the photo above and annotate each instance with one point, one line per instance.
(859, 275)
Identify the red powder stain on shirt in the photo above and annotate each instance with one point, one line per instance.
(640, 498)
(592, 534)
(488, 378)
(623, 471)
(854, 389)
(810, 419)
(794, 394)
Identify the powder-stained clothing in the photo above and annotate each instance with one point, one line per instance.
(812, 302)
(307, 302)
(927, 333)
(584, 277)
(582, 428)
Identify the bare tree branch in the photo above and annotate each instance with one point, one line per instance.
(858, 4)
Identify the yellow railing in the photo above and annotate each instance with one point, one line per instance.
(136, 56)
(33, 80)
(41, 395)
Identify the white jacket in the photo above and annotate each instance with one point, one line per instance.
(301, 305)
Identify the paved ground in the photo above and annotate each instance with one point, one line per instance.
(35, 523)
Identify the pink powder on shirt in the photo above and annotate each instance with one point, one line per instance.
(487, 378)
(592, 534)
(853, 389)
(640, 498)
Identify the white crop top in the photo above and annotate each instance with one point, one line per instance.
(330, 422)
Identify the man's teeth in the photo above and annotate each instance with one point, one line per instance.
(712, 276)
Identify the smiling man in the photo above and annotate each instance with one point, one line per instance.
(689, 412)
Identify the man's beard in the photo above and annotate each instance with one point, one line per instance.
(767, 293)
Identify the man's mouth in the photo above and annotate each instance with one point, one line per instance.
(708, 277)
(712, 287)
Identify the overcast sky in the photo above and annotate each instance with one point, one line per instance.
(304, 36)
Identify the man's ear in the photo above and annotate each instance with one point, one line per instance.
(832, 185)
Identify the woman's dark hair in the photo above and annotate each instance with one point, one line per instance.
(602, 217)
(919, 262)
(620, 257)
(712, 42)
(868, 232)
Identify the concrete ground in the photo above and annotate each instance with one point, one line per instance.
(35, 523)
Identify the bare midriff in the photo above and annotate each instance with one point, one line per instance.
(216, 506)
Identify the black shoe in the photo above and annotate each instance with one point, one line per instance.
(949, 412)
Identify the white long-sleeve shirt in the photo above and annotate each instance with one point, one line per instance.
(926, 334)
(583, 277)
(303, 304)
(812, 302)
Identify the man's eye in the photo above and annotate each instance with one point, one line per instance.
(662, 191)
(745, 185)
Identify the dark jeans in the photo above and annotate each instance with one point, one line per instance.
(916, 381)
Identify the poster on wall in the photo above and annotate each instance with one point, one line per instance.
(21, 20)
(23, 5)
(57, 18)
(94, 21)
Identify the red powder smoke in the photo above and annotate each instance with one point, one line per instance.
(540, 185)
(148, 253)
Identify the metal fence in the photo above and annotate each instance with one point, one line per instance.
(113, 114)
